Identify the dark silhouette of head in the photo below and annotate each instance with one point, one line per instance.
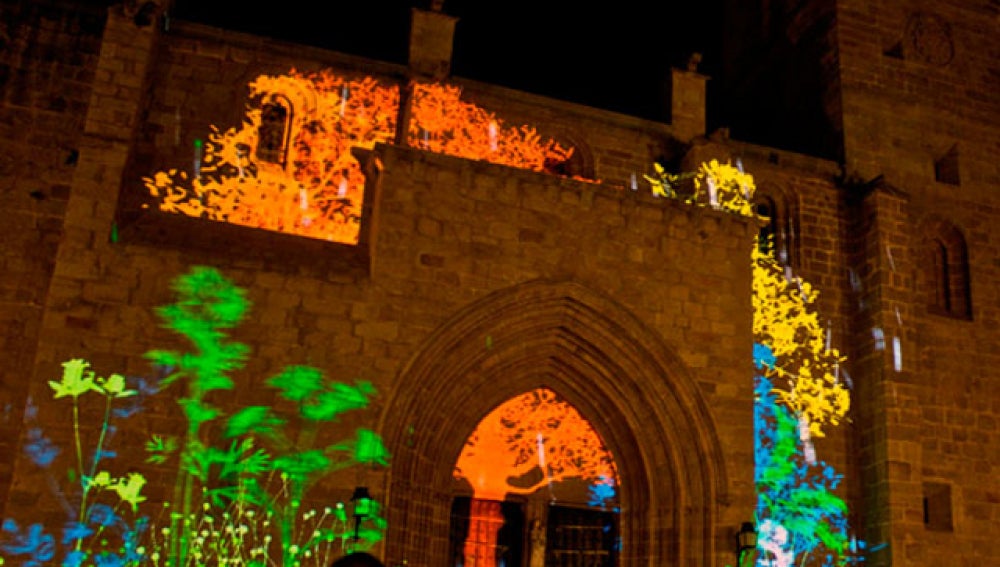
(360, 559)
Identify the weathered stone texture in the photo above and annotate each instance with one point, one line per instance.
(480, 281)
(48, 53)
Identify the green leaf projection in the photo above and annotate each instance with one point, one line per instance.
(242, 480)
(244, 476)
(274, 454)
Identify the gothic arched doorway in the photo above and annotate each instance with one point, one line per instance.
(536, 487)
(610, 366)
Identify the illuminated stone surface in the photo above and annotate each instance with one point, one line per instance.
(632, 307)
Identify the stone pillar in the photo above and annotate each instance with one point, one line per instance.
(884, 396)
(431, 38)
(687, 104)
(80, 280)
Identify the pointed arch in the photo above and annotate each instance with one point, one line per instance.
(605, 362)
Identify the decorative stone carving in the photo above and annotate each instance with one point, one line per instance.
(928, 39)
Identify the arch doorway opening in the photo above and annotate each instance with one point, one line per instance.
(535, 486)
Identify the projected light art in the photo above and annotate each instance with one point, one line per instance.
(531, 442)
(798, 392)
(242, 481)
(289, 167)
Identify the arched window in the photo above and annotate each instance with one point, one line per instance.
(274, 130)
(572, 167)
(939, 268)
(580, 162)
(946, 271)
(765, 209)
(778, 234)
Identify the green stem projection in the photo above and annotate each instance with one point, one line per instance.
(239, 477)
(85, 485)
(207, 304)
(102, 436)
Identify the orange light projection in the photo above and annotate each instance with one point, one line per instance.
(528, 443)
(443, 123)
(289, 167)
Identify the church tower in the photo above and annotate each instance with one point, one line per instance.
(903, 96)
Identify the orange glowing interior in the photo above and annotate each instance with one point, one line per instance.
(289, 167)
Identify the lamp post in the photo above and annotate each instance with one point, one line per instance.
(361, 501)
(746, 540)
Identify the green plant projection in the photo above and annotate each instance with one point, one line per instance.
(103, 523)
(273, 481)
(241, 481)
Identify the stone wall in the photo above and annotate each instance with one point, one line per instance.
(662, 281)
(48, 53)
(917, 113)
(636, 313)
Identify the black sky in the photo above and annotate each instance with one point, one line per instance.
(613, 55)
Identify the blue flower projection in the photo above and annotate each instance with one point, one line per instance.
(34, 544)
(602, 492)
(40, 448)
(91, 522)
(798, 515)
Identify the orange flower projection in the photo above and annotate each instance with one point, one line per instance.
(527, 443)
(443, 123)
(289, 167)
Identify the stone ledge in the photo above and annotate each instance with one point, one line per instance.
(224, 242)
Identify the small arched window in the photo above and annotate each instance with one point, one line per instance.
(764, 208)
(580, 162)
(946, 271)
(274, 130)
(777, 234)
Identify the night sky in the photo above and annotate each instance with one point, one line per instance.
(612, 55)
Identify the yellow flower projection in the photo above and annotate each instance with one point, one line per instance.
(718, 185)
(806, 372)
(288, 167)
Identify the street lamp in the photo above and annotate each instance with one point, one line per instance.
(362, 502)
(746, 540)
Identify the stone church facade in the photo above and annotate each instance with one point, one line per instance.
(472, 282)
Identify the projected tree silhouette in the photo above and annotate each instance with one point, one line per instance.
(535, 432)
(289, 168)
(527, 443)
(799, 394)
